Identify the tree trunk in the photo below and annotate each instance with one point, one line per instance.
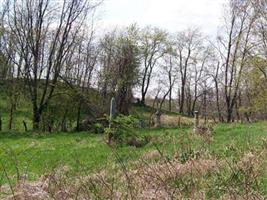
(36, 119)
(237, 112)
(229, 114)
(64, 122)
(182, 100)
(193, 107)
(205, 105)
(237, 106)
(189, 101)
(170, 101)
(143, 99)
(218, 103)
(123, 100)
(10, 122)
(217, 94)
(78, 116)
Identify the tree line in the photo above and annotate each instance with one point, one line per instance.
(52, 54)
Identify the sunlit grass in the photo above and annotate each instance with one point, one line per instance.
(37, 154)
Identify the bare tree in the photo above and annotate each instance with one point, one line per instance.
(153, 48)
(79, 68)
(44, 31)
(187, 45)
(237, 46)
(261, 34)
(216, 80)
(200, 71)
(170, 69)
(107, 58)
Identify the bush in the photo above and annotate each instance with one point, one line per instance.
(122, 131)
(98, 128)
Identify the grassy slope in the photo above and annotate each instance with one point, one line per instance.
(36, 155)
(23, 112)
(83, 151)
(45, 153)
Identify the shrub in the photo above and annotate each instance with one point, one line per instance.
(98, 128)
(122, 131)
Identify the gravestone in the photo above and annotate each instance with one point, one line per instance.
(112, 108)
(141, 123)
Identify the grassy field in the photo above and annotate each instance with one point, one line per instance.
(35, 155)
(39, 154)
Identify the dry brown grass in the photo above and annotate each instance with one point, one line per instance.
(148, 181)
(153, 176)
(176, 121)
(153, 180)
(156, 181)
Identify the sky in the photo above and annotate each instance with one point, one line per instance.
(172, 15)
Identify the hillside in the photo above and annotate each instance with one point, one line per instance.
(23, 109)
(174, 159)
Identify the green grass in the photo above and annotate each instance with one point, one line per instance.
(38, 154)
(22, 112)
(243, 136)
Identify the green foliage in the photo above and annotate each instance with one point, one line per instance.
(122, 128)
(98, 128)
(122, 72)
(61, 112)
(256, 81)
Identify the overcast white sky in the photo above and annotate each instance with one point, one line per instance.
(173, 15)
